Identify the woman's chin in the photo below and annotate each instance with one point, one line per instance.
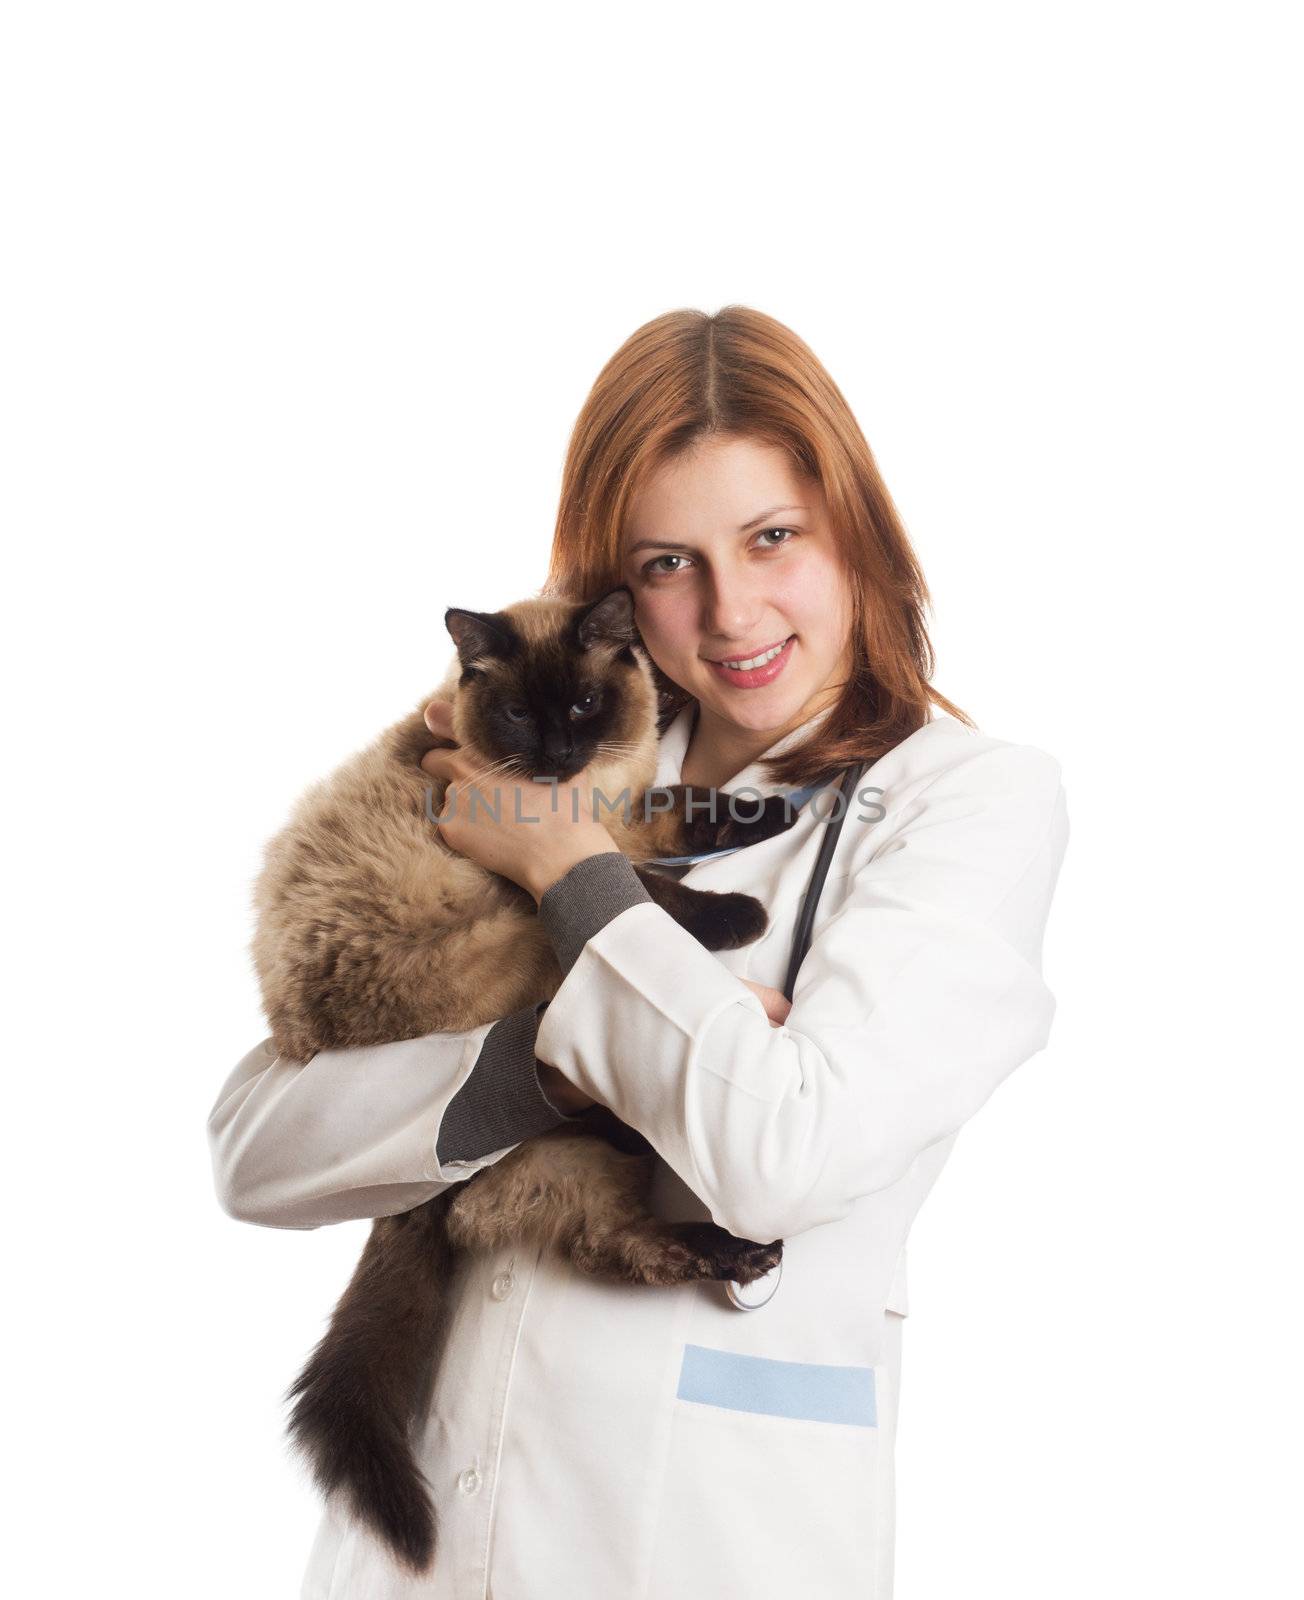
(755, 710)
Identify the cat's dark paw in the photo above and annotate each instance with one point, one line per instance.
(776, 815)
(719, 921)
(728, 921)
(727, 1259)
(752, 1261)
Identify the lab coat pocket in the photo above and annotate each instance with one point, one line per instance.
(771, 1479)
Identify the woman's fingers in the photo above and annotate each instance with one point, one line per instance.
(450, 765)
(446, 764)
(439, 719)
(777, 1006)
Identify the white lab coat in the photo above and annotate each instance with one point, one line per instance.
(603, 1442)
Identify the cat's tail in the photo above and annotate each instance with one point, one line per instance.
(367, 1380)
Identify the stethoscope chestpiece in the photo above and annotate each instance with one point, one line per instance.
(752, 1296)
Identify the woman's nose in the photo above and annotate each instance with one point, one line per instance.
(733, 607)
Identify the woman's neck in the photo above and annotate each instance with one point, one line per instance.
(718, 751)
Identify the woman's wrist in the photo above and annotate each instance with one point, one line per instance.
(585, 899)
(560, 1091)
(555, 857)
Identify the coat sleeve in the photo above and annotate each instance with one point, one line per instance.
(372, 1132)
(920, 993)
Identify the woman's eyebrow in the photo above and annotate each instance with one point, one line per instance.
(772, 512)
(657, 544)
(671, 544)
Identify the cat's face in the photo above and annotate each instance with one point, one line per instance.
(549, 688)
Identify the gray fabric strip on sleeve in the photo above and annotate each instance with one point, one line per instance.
(501, 1103)
(592, 893)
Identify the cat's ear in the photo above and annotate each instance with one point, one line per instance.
(609, 621)
(478, 634)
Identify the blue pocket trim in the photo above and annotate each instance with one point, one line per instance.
(778, 1388)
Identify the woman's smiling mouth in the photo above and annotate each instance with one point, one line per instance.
(756, 670)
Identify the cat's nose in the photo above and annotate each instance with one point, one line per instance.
(558, 748)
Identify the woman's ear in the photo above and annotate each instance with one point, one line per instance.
(609, 621)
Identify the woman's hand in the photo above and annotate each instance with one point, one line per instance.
(569, 1099)
(532, 833)
(777, 1006)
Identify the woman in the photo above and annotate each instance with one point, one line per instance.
(597, 1441)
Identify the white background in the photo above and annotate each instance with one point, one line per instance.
(301, 303)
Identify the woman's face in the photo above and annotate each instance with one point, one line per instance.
(741, 596)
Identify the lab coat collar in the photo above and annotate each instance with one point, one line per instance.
(674, 747)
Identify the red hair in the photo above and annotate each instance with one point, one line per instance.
(686, 375)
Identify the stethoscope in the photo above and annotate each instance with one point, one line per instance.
(752, 1296)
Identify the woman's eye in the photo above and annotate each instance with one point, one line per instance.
(663, 566)
(517, 713)
(772, 538)
(584, 707)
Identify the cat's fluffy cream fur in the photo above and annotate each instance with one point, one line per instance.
(369, 930)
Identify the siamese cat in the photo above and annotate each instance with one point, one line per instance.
(370, 930)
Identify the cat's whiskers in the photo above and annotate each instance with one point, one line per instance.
(606, 750)
(492, 769)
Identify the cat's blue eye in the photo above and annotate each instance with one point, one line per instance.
(584, 707)
(517, 713)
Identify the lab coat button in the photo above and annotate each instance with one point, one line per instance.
(469, 1481)
(502, 1286)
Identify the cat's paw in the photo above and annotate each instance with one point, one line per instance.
(776, 815)
(727, 1259)
(728, 921)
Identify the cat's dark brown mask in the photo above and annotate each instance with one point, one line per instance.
(548, 692)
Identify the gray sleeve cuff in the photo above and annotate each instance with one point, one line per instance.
(592, 893)
(501, 1103)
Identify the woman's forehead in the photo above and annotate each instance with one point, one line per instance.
(721, 488)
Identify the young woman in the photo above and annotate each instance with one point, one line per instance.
(598, 1441)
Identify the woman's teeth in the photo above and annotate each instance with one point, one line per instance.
(752, 662)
